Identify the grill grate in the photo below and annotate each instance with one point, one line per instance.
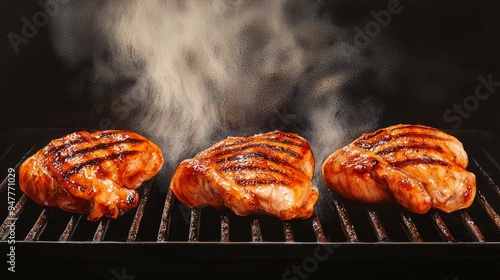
(159, 217)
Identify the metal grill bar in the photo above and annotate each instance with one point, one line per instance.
(39, 225)
(101, 230)
(442, 228)
(471, 226)
(492, 214)
(13, 215)
(378, 227)
(347, 226)
(318, 230)
(134, 228)
(70, 228)
(410, 228)
(165, 217)
(194, 225)
(494, 217)
(224, 228)
(256, 232)
(288, 231)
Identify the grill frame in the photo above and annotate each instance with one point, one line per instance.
(353, 256)
(146, 260)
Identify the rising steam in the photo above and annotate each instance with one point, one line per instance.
(189, 73)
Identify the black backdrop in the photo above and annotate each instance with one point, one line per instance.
(444, 46)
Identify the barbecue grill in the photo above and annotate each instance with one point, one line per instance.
(164, 237)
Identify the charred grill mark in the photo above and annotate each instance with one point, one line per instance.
(413, 147)
(362, 142)
(418, 126)
(371, 135)
(253, 139)
(57, 149)
(262, 145)
(423, 160)
(417, 134)
(410, 126)
(253, 168)
(98, 147)
(253, 182)
(239, 142)
(96, 161)
(106, 134)
(288, 135)
(252, 155)
(286, 141)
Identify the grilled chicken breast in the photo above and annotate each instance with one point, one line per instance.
(417, 166)
(265, 173)
(95, 173)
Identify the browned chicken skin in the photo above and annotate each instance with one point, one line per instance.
(266, 173)
(417, 166)
(95, 173)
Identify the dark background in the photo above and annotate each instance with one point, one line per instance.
(442, 47)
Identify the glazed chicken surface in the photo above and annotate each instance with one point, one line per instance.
(95, 173)
(419, 167)
(266, 173)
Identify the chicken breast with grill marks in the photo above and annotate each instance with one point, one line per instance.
(266, 173)
(416, 166)
(95, 173)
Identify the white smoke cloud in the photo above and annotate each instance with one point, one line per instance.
(188, 73)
